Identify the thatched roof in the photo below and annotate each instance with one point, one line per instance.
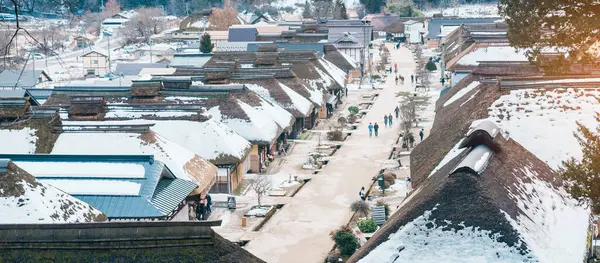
(499, 201)
(121, 242)
(333, 55)
(23, 199)
(451, 123)
(271, 89)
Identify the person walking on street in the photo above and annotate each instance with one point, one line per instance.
(397, 111)
(421, 133)
(390, 120)
(200, 210)
(402, 79)
(385, 120)
(412, 78)
(376, 128)
(362, 193)
(208, 204)
(396, 80)
(396, 66)
(370, 129)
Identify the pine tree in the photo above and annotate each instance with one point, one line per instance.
(583, 177)
(373, 6)
(551, 23)
(307, 12)
(206, 45)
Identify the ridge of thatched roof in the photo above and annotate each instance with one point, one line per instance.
(338, 59)
(499, 205)
(451, 122)
(272, 90)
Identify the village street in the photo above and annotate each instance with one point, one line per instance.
(300, 231)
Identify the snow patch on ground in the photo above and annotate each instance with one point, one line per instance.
(543, 121)
(259, 211)
(468, 245)
(18, 141)
(462, 92)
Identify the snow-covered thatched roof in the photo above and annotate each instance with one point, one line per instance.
(24, 200)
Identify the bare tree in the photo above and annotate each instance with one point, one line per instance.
(50, 38)
(142, 26)
(411, 105)
(261, 185)
(222, 19)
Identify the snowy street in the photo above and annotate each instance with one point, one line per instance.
(299, 232)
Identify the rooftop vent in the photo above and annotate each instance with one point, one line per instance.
(475, 162)
(481, 133)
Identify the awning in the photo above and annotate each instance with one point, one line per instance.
(331, 99)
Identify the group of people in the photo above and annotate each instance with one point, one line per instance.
(387, 120)
(401, 78)
(203, 207)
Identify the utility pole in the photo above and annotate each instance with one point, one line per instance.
(443, 66)
(150, 44)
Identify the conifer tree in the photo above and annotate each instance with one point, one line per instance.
(206, 45)
(582, 178)
(307, 12)
(571, 25)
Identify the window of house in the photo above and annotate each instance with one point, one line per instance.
(94, 62)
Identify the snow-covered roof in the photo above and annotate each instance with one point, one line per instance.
(210, 139)
(473, 85)
(115, 21)
(489, 54)
(513, 212)
(24, 200)
(256, 128)
(544, 121)
(296, 102)
(336, 73)
(18, 141)
(183, 163)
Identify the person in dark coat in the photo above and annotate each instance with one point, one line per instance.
(362, 193)
(376, 128)
(201, 210)
(412, 78)
(421, 133)
(385, 120)
(390, 120)
(208, 204)
(397, 111)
